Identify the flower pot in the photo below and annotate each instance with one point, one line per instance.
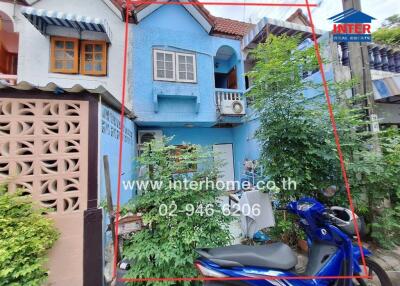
(302, 245)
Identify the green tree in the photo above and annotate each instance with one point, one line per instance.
(25, 237)
(383, 182)
(392, 20)
(293, 138)
(180, 218)
(389, 36)
(389, 33)
(293, 130)
(297, 139)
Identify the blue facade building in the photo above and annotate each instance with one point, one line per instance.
(188, 79)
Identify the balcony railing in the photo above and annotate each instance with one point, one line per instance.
(11, 79)
(382, 58)
(230, 102)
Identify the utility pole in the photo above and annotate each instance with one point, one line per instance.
(360, 70)
(358, 55)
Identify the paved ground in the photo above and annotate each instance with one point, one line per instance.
(390, 261)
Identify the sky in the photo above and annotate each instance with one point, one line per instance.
(379, 9)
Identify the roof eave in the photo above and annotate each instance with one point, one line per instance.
(201, 16)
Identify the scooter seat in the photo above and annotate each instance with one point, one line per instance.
(276, 255)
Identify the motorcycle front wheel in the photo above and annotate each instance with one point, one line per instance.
(378, 275)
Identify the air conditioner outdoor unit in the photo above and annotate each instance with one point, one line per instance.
(145, 136)
(231, 104)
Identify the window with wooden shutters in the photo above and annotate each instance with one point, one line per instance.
(64, 55)
(93, 58)
(164, 65)
(186, 67)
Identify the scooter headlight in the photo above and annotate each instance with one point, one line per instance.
(304, 206)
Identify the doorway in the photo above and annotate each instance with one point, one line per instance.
(224, 153)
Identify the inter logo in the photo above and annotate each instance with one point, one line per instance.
(352, 26)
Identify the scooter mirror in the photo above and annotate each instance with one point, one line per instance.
(329, 191)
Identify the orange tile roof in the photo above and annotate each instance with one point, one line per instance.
(221, 26)
(298, 14)
(231, 27)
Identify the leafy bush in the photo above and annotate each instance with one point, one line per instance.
(25, 237)
(285, 230)
(386, 181)
(293, 146)
(389, 36)
(373, 175)
(297, 140)
(166, 247)
(389, 32)
(387, 228)
(293, 140)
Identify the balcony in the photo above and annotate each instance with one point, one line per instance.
(9, 41)
(230, 102)
(381, 57)
(229, 99)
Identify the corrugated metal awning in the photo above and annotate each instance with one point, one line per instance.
(387, 90)
(42, 19)
(106, 96)
(52, 87)
(276, 27)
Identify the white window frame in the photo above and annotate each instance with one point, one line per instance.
(175, 66)
(193, 56)
(155, 65)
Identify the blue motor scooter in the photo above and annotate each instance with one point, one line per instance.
(331, 253)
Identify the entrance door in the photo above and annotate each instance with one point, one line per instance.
(225, 155)
(232, 79)
(44, 150)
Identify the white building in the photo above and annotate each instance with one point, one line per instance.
(36, 53)
(60, 93)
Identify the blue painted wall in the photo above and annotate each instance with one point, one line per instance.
(242, 138)
(246, 146)
(110, 127)
(178, 105)
(328, 68)
(109, 145)
(199, 136)
(204, 137)
(172, 28)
